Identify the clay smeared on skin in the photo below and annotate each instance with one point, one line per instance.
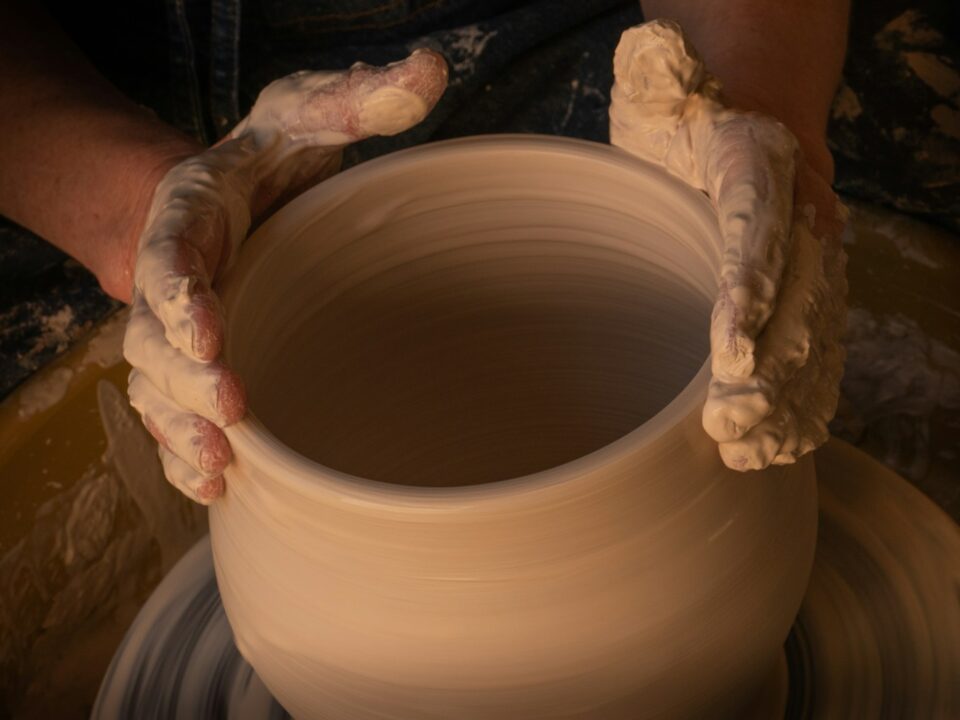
(776, 327)
(201, 213)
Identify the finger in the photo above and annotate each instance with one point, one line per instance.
(195, 486)
(200, 213)
(808, 307)
(300, 122)
(733, 407)
(785, 433)
(801, 361)
(171, 278)
(389, 100)
(734, 404)
(799, 422)
(656, 70)
(206, 389)
(750, 171)
(665, 108)
(194, 439)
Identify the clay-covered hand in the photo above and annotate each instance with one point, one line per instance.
(201, 212)
(780, 312)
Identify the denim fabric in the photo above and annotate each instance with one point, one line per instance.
(185, 85)
(545, 67)
(224, 64)
(518, 65)
(299, 19)
(536, 67)
(527, 66)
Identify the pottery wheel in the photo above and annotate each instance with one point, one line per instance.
(878, 634)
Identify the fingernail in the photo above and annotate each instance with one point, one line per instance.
(389, 110)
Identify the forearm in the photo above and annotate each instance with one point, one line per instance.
(781, 57)
(79, 160)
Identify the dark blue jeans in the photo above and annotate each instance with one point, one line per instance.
(514, 66)
(545, 66)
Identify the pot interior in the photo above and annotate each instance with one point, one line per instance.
(453, 323)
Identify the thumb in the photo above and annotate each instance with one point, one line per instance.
(332, 109)
(300, 122)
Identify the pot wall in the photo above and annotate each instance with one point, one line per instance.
(516, 553)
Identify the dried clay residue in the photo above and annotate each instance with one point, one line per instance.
(846, 104)
(897, 379)
(58, 330)
(920, 51)
(104, 349)
(462, 47)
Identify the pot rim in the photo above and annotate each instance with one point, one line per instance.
(254, 442)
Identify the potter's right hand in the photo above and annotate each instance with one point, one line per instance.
(779, 312)
(201, 212)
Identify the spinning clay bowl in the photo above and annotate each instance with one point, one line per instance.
(474, 481)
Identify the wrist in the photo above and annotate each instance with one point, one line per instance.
(791, 111)
(147, 164)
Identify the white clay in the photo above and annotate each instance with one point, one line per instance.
(474, 482)
(778, 319)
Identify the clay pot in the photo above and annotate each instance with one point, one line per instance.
(474, 482)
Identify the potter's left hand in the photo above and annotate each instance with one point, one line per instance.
(201, 212)
(779, 313)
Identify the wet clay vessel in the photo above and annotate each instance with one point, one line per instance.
(474, 482)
